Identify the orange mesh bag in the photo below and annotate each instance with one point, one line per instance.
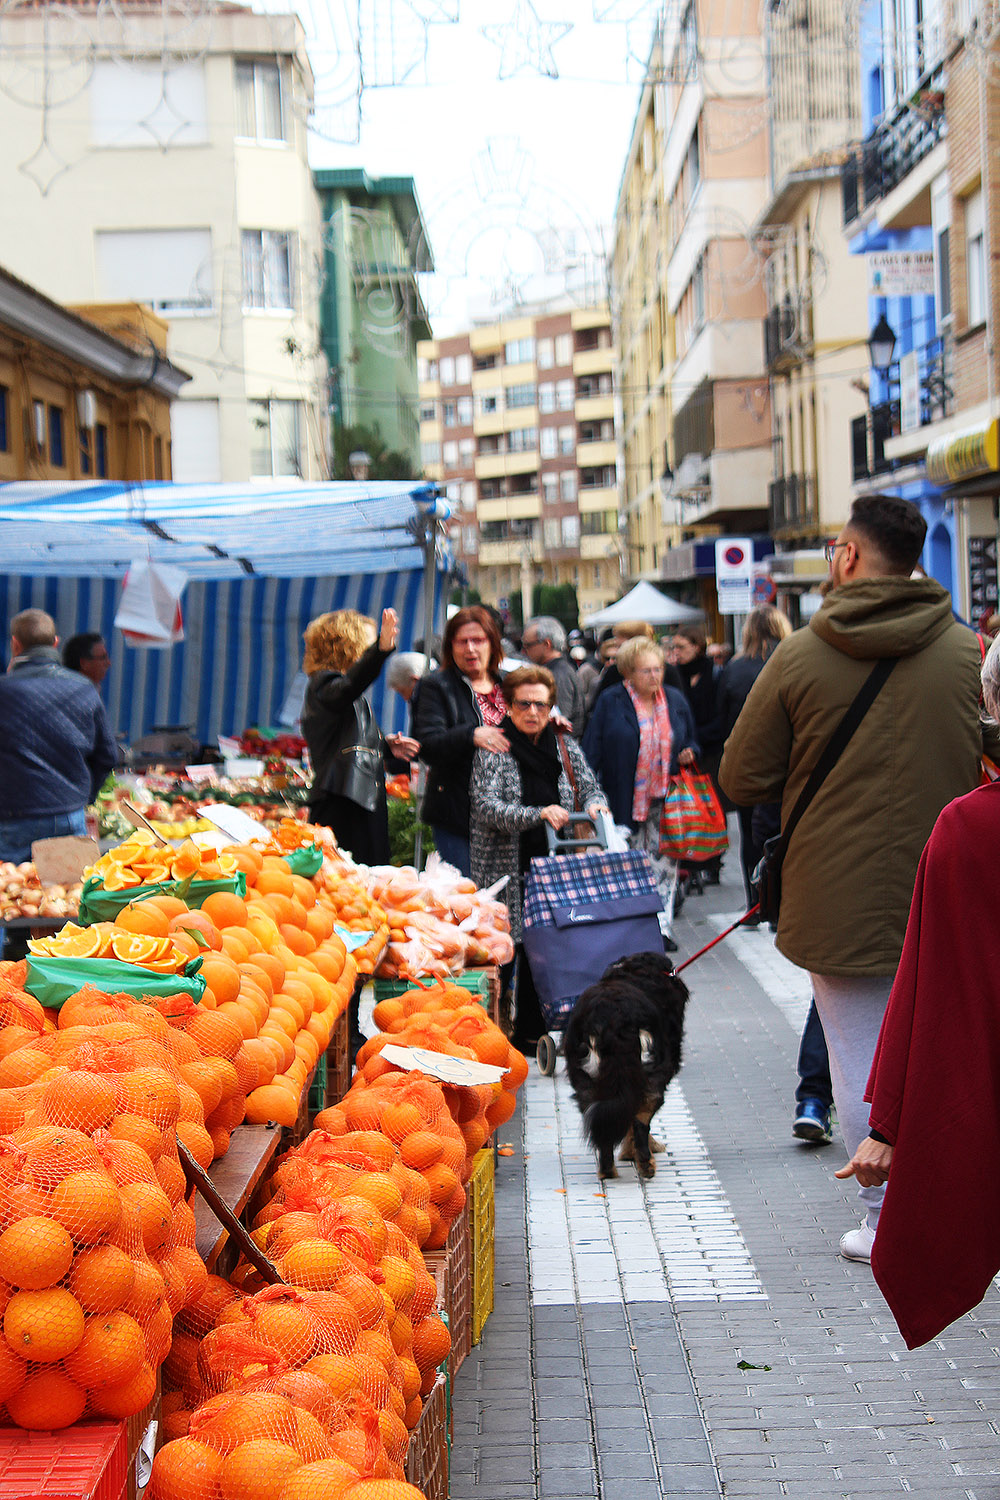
(95, 1164)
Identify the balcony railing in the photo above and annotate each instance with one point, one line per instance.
(878, 164)
(788, 333)
(792, 501)
(934, 401)
(869, 434)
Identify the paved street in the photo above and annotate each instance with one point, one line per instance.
(699, 1335)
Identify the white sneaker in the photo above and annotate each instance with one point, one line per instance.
(857, 1244)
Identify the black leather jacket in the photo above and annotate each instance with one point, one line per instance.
(345, 742)
(446, 717)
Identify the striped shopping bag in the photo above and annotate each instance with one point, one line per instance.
(692, 823)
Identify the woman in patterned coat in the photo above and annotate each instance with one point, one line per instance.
(514, 795)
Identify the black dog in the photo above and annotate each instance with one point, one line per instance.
(623, 1046)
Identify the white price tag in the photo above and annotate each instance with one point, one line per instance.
(437, 1065)
(239, 825)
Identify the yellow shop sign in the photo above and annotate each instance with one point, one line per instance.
(975, 450)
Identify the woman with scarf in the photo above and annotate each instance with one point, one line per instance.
(640, 732)
(514, 793)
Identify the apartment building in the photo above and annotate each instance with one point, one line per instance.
(517, 419)
(688, 290)
(375, 245)
(920, 201)
(85, 393)
(816, 327)
(165, 163)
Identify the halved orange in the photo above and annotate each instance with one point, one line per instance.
(132, 948)
(120, 878)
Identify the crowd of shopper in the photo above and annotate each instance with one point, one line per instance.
(886, 858)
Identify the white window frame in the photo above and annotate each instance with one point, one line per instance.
(257, 68)
(260, 293)
(976, 290)
(268, 405)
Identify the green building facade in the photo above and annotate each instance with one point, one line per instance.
(372, 314)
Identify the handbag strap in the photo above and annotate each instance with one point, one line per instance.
(839, 740)
(568, 765)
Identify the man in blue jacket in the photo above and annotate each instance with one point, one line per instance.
(56, 745)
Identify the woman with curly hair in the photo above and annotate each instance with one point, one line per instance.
(342, 659)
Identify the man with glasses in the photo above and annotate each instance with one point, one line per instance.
(851, 861)
(544, 644)
(88, 654)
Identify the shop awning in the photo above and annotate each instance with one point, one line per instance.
(263, 561)
(276, 529)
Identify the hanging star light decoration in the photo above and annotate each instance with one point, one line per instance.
(526, 42)
(434, 12)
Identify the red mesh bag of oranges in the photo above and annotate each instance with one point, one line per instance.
(303, 1372)
(411, 1112)
(96, 1238)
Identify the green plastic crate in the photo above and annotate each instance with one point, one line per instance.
(317, 1089)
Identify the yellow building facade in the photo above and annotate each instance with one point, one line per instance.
(85, 393)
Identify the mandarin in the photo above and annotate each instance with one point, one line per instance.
(35, 1253)
(102, 1279)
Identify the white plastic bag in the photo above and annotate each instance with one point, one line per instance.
(149, 610)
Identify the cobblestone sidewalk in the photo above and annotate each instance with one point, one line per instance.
(699, 1335)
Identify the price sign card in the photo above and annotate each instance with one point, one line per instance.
(241, 828)
(438, 1065)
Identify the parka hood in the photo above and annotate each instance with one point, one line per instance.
(874, 617)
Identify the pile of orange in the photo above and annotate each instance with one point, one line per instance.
(309, 1390)
(415, 1114)
(96, 1236)
(142, 860)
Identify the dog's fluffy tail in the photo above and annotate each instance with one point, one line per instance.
(608, 1120)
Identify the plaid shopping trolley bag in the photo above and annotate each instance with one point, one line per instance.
(581, 912)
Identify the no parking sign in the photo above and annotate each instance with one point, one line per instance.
(734, 574)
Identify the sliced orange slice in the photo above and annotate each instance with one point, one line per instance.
(41, 947)
(84, 942)
(228, 864)
(118, 878)
(133, 948)
(105, 932)
(172, 963)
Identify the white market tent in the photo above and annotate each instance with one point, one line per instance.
(262, 559)
(645, 602)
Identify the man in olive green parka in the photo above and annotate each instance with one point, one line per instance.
(851, 862)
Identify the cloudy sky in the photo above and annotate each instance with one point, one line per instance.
(512, 116)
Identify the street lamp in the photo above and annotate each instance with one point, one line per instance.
(881, 345)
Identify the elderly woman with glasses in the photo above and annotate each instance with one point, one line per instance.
(515, 793)
(638, 734)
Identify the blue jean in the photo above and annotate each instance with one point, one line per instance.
(814, 1062)
(454, 848)
(18, 834)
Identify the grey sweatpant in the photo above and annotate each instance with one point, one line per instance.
(851, 1011)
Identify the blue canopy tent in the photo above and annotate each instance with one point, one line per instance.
(262, 559)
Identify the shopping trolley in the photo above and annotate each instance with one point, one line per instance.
(584, 907)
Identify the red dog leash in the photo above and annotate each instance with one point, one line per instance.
(738, 923)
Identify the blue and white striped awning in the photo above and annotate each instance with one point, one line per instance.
(263, 561)
(279, 528)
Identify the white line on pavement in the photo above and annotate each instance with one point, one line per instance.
(674, 1238)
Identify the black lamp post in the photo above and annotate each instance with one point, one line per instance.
(881, 345)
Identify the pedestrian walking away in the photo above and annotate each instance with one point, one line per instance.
(849, 868)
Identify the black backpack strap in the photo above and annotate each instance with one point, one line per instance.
(870, 689)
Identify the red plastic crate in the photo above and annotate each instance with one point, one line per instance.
(86, 1462)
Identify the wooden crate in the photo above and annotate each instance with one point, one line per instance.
(427, 1456)
(450, 1269)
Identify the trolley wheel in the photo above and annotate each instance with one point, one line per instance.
(545, 1055)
